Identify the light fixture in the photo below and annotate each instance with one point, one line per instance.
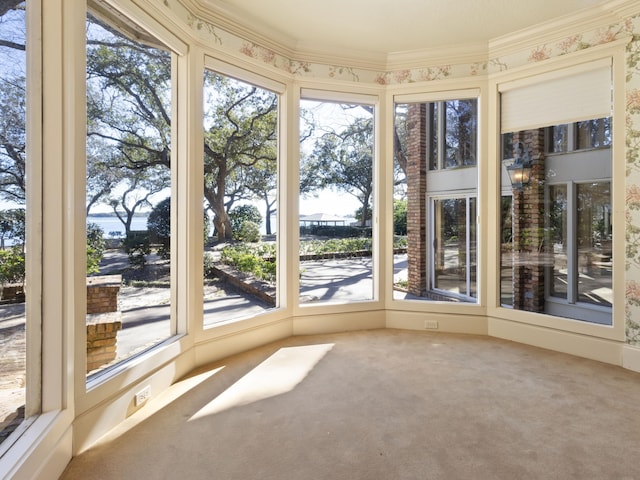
(520, 170)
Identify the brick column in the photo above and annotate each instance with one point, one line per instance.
(529, 229)
(103, 320)
(416, 201)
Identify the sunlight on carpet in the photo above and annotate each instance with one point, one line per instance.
(278, 374)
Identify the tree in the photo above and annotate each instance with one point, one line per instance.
(12, 139)
(128, 121)
(135, 193)
(344, 160)
(241, 215)
(263, 183)
(400, 217)
(240, 138)
(95, 247)
(159, 225)
(12, 225)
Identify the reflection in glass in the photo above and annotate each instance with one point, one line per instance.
(594, 133)
(559, 141)
(558, 239)
(460, 133)
(560, 234)
(594, 243)
(454, 246)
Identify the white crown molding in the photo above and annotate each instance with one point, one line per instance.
(253, 31)
(625, 8)
(243, 28)
(426, 57)
(565, 26)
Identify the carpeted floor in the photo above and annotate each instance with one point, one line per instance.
(383, 404)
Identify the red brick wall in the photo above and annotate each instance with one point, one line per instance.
(103, 319)
(416, 201)
(528, 229)
(102, 293)
(102, 331)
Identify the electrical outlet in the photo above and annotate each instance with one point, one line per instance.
(143, 395)
(431, 324)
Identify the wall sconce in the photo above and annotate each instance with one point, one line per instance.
(520, 170)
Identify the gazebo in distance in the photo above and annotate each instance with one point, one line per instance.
(322, 219)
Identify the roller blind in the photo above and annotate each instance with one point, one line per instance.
(582, 92)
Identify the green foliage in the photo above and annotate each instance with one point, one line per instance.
(12, 265)
(245, 222)
(12, 225)
(343, 160)
(400, 217)
(137, 247)
(257, 260)
(95, 247)
(248, 232)
(336, 231)
(240, 151)
(400, 241)
(128, 120)
(159, 226)
(367, 216)
(209, 263)
(346, 245)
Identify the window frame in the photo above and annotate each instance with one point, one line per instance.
(432, 239)
(504, 319)
(319, 92)
(279, 89)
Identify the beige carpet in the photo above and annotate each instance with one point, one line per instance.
(383, 404)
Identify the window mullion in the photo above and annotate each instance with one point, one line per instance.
(572, 248)
(442, 135)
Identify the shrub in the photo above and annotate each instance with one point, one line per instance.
(11, 265)
(239, 217)
(400, 217)
(248, 232)
(209, 263)
(95, 247)
(137, 246)
(159, 226)
(257, 260)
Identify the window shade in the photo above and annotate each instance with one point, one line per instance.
(582, 92)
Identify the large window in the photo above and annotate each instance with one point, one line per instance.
(13, 184)
(240, 199)
(128, 192)
(557, 252)
(336, 202)
(435, 206)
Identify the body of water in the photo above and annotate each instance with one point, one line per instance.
(113, 228)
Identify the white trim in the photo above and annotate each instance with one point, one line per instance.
(600, 349)
(443, 95)
(631, 357)
(243, 75)
(337, 96)
(146, 21)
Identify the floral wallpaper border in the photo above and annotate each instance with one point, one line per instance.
(213, 35)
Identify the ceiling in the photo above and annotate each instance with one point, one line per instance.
(388, 26)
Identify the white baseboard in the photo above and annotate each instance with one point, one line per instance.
(437, 322)
(594, 348)
(631, 357)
